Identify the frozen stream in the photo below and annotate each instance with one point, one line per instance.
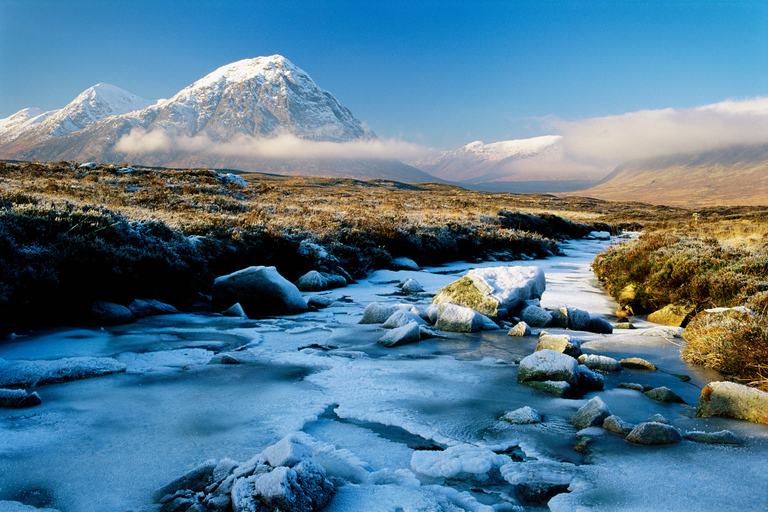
(376, 418)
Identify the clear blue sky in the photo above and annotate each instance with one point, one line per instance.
(441, 73)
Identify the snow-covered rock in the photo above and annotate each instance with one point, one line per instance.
(494, 291)
(548, 365)
(522, 416)
(234, 180)
(18, 399)
(456, 460)
(734, 401)
(403, 263)
(721, 437)
(617, 425)
(402, 317)
(599, 235)
(260, 291)
(600, 363)
(376, 313)
(408, 333)
(312, 281)
(535, 316)
(236, 310)
(453, 318)
(35, 373)
(411, 286)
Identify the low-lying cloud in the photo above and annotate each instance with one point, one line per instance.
(279, 147)
(653, 133)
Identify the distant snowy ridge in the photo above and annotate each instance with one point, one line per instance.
(92, 105)
(518, 148)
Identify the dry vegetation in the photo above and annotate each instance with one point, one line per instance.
(71, 235)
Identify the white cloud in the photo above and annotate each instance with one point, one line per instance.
(282, 146)
(651, 133)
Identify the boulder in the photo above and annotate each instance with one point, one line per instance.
(637, 363)
(520, 329)
(722, 437)
(675, 315)
(312, 281)
(409, 333)
(335, 280)
(320, 301)
(403, 263)
(617, 425)
(624, 325)
(548, 365)
(411, 286)
(734, 401)
(634, 386)
(599, 363)
(523, 416)
(260, 291)
(109, 313)
(664, 394)
(494, 291)
(453, 318)
(431, 312)
(402, 317)
(376, 313)
(599, 325)
(589, 380)
(536, 316)
(18, 399)
(651, 433)
(142, 308)
(599, 235)
(559, 343)
(591, 414)
(578, 319)
(657, 418)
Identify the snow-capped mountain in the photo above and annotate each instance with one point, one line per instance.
(92, 105)
(478, 162)
(214, 122)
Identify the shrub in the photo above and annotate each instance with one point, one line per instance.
(735, 344)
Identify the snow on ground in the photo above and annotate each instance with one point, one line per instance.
(414, 428)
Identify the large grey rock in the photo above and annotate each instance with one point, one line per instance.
(599, 325)
(664, 394)
(536, 316)
(402, 317)
(650, 433)
(403, 263)
(376, 313)
(260, 291)
(734, 401)
(494, 291)
(617, 425)
(559, 343)
(453, 318)
(142, 308)
(599, 363)
(548, 365)
(409, 333)
(18, 399)
(593, 413)
(578, 319)
(109, 313)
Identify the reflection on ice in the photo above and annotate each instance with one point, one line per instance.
(414, 428)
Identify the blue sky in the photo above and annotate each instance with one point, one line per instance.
(435, 73)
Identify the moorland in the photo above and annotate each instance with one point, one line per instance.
(71, 234)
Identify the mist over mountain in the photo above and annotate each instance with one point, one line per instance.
(262, 114)
(735, 175)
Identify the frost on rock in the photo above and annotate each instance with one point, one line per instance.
(260, 291)
(523, 416)
(463, 458)
(18, 399)
(409, 333)
(33, 373)
(402, 317)
(494, 291)
(284, 477)
(548, 365)
(453, 318)
(376, 313)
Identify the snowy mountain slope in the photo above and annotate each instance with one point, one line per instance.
(14, 125)
(92, 105)
(477, 162)
(215, 121)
